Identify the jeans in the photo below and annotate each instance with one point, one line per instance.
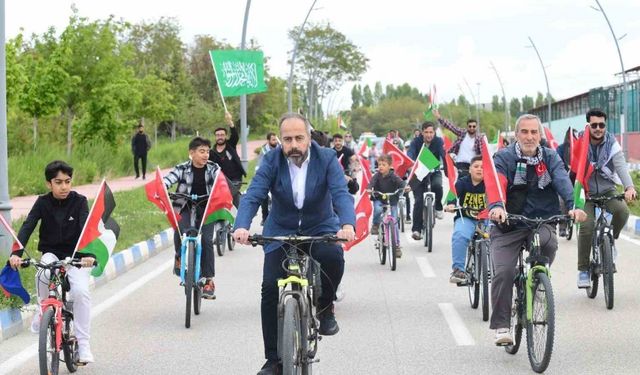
(418, 194)
(331, 259)
(377, 211)
(207, 259)
(463, 230)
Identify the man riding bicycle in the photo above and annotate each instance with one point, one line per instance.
(607, 159)
(468, 144)
(195, 176)
(309, 197)
(225, 155)
(535, 176)
(436, 146)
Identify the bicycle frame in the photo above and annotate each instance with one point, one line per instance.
(57, 305)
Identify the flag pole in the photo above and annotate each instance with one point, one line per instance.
(215, 72)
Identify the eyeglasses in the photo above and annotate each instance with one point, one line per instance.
(471, 126)
(597, 125)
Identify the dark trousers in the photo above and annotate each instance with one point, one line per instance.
(234, 186)
(407, 199)
(419, 188)
(207, 259)
(331, 258)
(505, 249)
(144, 164)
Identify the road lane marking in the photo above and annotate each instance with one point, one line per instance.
(458, 329)
(627, 238)
(17, 360)
(425, 267)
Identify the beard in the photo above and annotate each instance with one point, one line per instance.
(296, 156)
(221, 141)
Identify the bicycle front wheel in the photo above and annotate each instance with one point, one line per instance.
(594, 275)
(473, 286)
(382, 250)
(428, 225)
(188, 282)
(607, 271)
(391, 244)
(70, 345)
(541, 327)
(48, 354)
(291, 343)
(483, 253)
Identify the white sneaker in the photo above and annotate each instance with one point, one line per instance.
(84, 354)
(503, 337)
(439, 215)
(35, 323)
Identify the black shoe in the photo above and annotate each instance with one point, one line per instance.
(144, 177)
(271, 368)
(328, 324)
(176, 267)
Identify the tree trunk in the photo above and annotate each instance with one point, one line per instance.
(173, 130)
(35, 132)
(70, 116)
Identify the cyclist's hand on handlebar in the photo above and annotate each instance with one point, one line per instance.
(347, 232)
(241, 236)
(407, 189)
(15, 262)
(87, 261)
(578, 215)
(630, 194)
(498, 214)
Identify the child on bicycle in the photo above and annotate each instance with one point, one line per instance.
(385, 181)
(195, 176)
(62, 214)
(471, 197)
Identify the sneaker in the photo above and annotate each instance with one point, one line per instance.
(374, 229)
(398, 252)
(271, 367)
(209, 290)
(328, 324)
(137, 177)
(176, 266)
(407, 220)
(416, 236)
(584, 279)
(457, 276)
(439, 215)
(35, 322)
(503, 337)
(84, 354)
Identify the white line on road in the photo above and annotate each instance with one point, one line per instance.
(425, 267)
(30, 351)
(460, 332)
(627, 238)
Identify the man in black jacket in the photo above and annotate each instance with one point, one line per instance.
(140, 145)
(225, 155)
(62, 214)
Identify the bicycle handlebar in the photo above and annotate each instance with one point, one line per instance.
(191, 197)
(603, 199)
(555, 219)
(258, 239)
(386, 195)
(54, 265)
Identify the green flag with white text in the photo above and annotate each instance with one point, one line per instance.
(239, 72)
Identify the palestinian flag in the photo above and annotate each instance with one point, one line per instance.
(100, 231)
(220, 203)
(424, 164)
(452, 176)
(428, 113)
(16, 242)
(365, 148)
(495, 183)
(580, 163)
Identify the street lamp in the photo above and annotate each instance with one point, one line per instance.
(623, 139)
(5, 203)
(466, 102)
(507, 117)
(545, 79)
(293, 58)
(474, 99)
(243, 98)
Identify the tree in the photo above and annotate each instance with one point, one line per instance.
(356, 96)
(378, 95)
(540, 99)
(527, 103)
(514, 107)
(495, 104)
(200, 68)
(326, 60)
(367, 97)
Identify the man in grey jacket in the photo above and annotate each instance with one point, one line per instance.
(607, 159)
(535, 176)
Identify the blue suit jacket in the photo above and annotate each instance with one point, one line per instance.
(327, 203)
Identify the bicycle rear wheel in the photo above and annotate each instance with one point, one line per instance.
(188, 282)
(291, 343)
(541, 328)
(484, 278)
(70, 344)
(391, 245)
(517, 311)
(48, 355)
(607, 271)
(221, 239)
(569, 230)
(231, 243)
(473, 286)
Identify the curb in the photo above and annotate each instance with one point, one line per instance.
(633, 225)
(15, 320)
(634, 166)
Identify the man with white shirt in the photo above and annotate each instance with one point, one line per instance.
(467, 146)
(309, 197)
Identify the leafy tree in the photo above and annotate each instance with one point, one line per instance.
(527, 103)
(356, 97)
(200, 68)
(515, 107)
(367, 97)
(540, 100)
(378, 95)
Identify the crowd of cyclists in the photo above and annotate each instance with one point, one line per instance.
(537, 183)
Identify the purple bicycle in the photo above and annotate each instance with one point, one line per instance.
(388, 234)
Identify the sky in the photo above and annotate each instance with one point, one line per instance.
(449, 44)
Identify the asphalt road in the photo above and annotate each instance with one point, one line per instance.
(411, 321)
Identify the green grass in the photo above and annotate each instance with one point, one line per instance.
(635, 205)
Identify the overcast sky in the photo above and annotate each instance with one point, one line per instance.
(419, 42)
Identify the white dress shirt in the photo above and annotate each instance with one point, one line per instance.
(466, 151)
(299, 179)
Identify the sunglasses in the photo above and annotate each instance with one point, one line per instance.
(471, 126)
(597, 125)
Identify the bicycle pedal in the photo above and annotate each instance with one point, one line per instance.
(464, 283)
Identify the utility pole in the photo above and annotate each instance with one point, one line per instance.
(5, 202)
(293, 59)
(507, 117)
(466, 102)
(243, 98)
(545, 79)
(625, 88)
(475, 100)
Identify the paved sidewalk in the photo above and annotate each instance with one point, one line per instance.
(22, 205)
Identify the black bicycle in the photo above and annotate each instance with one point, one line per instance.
(428, 214)
(533, 304)
(300, 291)
(601, 262)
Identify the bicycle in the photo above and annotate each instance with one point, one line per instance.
(428, 214)
(300, 291)
(56, 323)
(402, 202)
(601, 262)
(223, 237)
(388, 237)
(190, 254)
(478, 267)
(533, 303)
